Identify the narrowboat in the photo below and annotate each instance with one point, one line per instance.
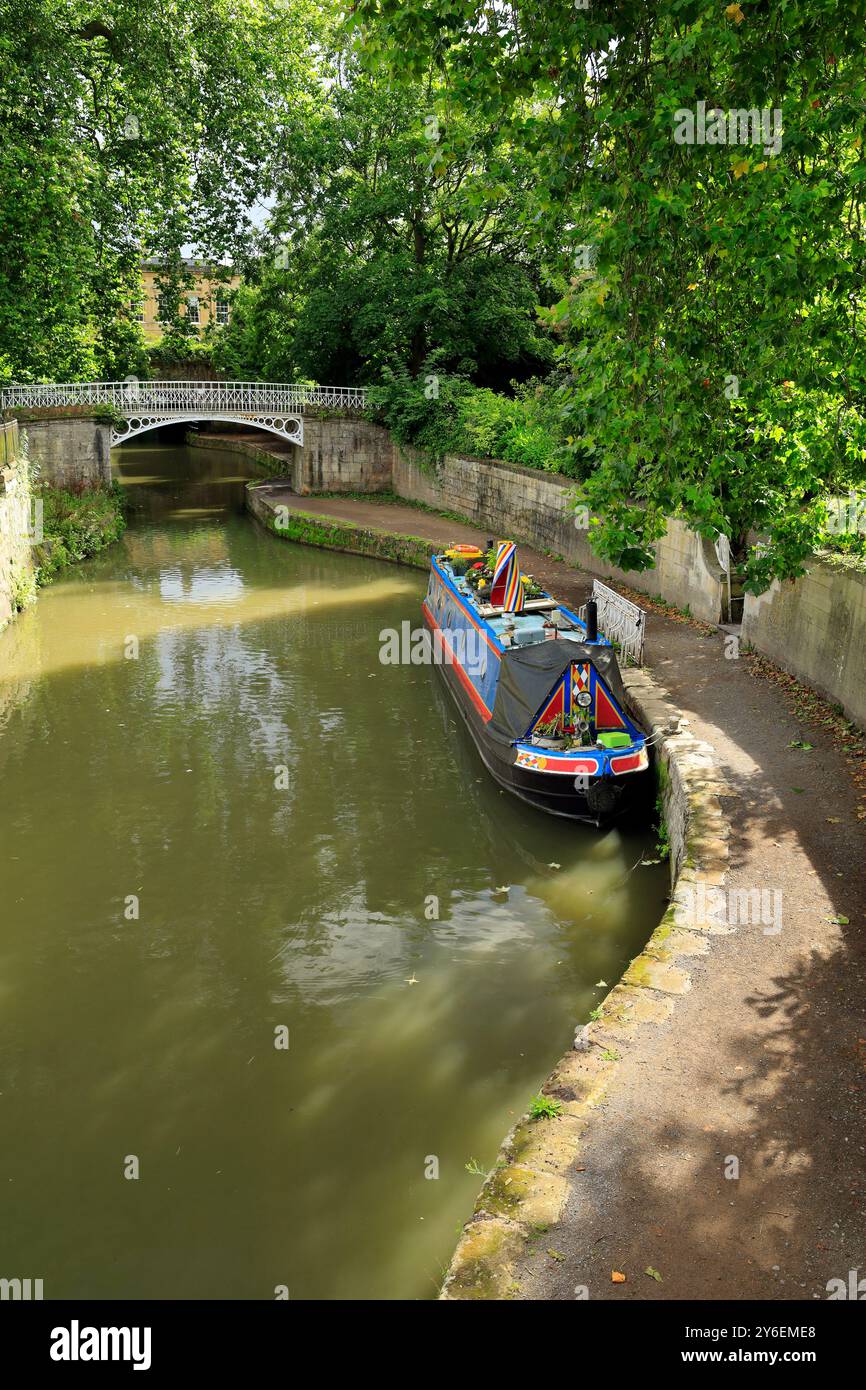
(537, 685)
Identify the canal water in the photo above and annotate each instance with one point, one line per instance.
(225, 825)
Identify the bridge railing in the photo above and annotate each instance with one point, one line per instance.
(238, 397)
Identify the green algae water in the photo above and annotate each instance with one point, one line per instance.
(275, 951)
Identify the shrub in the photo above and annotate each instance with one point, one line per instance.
(485, 421)
(530, 445)
(441, 414)
(76, 526)
(424, 411)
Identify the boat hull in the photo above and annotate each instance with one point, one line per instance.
(604, 801)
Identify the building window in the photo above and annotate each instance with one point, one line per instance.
(222, 311)
(192, 309)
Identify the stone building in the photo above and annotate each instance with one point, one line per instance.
(207, 299)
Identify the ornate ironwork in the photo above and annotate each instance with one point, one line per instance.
(621, 621)
(143, 405)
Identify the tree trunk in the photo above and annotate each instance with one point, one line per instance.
(418, 343)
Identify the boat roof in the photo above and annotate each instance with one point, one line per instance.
(516, 629)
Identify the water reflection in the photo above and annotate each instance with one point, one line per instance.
(84, 626)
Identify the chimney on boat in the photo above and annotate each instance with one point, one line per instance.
(591, 621)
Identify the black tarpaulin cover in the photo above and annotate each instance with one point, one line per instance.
(528, 674)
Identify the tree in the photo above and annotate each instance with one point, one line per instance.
(711, 281)
(391, 242)
(137, 132)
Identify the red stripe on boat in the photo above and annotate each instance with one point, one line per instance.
(457, 668)
(631, 762)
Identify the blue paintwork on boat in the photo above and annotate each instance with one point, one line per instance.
(585, 781)
(451, 604)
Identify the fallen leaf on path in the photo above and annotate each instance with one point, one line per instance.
(555, 1255)
(617, 1277)
(653, 1274)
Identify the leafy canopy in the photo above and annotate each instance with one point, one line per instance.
(398, 231)
(134, 130)
(709, 296)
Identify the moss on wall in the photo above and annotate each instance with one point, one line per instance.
(332, 533)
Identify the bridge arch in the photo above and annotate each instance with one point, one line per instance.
(286, 427)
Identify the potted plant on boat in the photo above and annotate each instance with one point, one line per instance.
(549, 733)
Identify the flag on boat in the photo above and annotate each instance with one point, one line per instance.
(507, 590)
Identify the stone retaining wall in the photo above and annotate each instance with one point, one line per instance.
(343, 455)
(335, 533)
(69, 447)
(529, 505)
(16, 521)
(815, 627)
